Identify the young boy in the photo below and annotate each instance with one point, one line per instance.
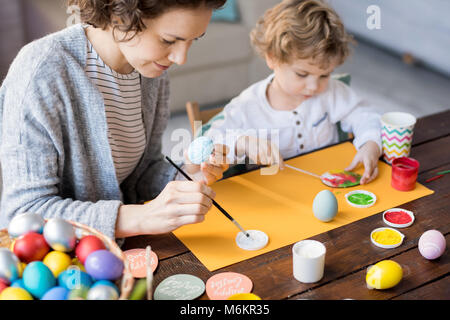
(302, 41)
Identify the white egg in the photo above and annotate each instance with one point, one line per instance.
(325, 206)
(25, 222)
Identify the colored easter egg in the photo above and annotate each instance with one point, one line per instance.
(432, 244)
(57, 262)
(384, 275)
(106, 283)
(56, 293)
(200, 149)
(78, 264)
(38, 278)
(15, 293)
(3, 285)
(102, 292)
(78, 294)
(104, 265)
(325, 206)
(9, 265)
(244, 296)
(31, 247)
(74, 278)
(87, 245)
(139, 291)
(18, 284)
(60, 235)
(25, 222)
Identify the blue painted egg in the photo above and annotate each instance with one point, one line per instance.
(18, 284)
(56, 293)
(9, 266)
(106, 283)
(38, 278)
(200, 149)
(74, 278)
(103, 265)
(24, 223)
(325, 206)
(60, 235)
(102, 292)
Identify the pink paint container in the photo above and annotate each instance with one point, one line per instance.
(404, 173)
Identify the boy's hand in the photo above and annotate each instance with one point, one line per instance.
(209, 171)
(368, 154)
(260, 151)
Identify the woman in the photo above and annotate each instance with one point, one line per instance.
(82, 115)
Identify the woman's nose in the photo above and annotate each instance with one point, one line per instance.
(179, 53)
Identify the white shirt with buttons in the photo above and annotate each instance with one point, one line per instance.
(310, 126)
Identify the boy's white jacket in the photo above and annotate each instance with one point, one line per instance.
(313, 124)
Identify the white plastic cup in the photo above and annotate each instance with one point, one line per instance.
(308, 257)
(397, 130)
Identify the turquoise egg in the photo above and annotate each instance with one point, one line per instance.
(9, 266)
(19, 284)
(325, 206)
(38, 278)
(200, 149)
(56, 293)
(74, 278)
(106, 283)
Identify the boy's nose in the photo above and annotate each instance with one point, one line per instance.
(312, 85)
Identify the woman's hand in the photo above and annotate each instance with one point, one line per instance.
(209, 171)
(180, 203)
(368, 155)
(260, 151)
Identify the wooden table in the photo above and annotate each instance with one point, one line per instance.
(349, 250)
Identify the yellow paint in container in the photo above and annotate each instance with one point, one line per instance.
(387, 238)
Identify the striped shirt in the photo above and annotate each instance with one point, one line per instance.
(122, 97)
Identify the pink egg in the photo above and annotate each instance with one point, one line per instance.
(432, 244)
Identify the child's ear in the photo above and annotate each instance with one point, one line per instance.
(270, 61)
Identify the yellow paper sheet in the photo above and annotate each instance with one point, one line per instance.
(281, 206)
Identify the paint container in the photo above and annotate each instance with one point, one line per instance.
(361, 198)
(386, 238)
(308, 261)
(404, 173)
(398, 218)
(397, 130)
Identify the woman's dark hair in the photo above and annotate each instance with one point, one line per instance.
(99, 13)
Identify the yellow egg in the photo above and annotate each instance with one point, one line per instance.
(57, 262)
(244, 296)
(78, 263)
(384, 275)
(15, 293)
(22, 267)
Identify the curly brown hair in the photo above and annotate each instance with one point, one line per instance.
(302, 29)
(131, 13)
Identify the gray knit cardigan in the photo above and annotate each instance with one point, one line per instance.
(54, 151)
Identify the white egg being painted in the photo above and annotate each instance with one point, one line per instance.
(325, 206)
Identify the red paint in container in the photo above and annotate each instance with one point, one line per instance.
(398, 217)
(404, 173)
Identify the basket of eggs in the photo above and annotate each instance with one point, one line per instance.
(58, 259)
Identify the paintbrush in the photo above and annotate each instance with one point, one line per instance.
(214, 202)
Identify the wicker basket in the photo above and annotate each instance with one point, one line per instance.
(125, 283)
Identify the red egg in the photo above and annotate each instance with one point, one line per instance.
(31, 247)
(87, 245)
(3, 285)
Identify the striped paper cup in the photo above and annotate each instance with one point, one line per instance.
(396, 134)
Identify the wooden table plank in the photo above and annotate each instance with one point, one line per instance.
(436, 290)
(431, 127)
(416, 271)
(432, 154)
